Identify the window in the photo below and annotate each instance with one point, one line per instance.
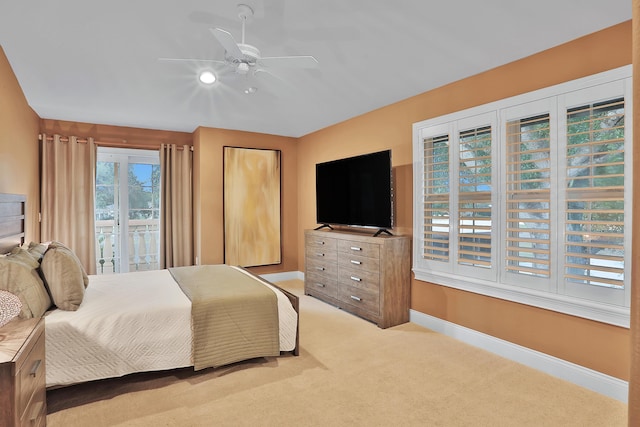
(527, 198)
(127, 210)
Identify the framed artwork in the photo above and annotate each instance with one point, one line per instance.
(252, 216)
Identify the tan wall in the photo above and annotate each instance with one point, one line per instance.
(597, 346)
(19, 164)
(208, 197)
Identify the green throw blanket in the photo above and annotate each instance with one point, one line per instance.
(234, 317)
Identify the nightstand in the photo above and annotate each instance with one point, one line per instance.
(23, 400)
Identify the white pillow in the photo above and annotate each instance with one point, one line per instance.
(10, 307)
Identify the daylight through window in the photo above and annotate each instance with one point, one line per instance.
(527, 198)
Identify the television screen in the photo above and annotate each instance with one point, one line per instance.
(355, 191)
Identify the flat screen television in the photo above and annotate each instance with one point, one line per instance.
(356, 191)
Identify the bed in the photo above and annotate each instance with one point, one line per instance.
(155, 320)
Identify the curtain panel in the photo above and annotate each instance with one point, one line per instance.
(176, 216)
(67, 194)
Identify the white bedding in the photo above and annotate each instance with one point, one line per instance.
(130, 322)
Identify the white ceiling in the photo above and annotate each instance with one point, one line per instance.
(97, 62)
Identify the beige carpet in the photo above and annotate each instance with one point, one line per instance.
(349, 373)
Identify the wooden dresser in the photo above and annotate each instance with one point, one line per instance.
(23, 400)
(365, 275)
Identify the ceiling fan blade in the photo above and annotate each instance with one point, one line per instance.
(228, 42)
(290, 61)
(210, 61)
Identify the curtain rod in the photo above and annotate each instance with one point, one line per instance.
(122, 144)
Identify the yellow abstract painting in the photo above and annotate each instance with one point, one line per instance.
(252, 234)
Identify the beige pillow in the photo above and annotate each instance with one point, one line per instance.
(18, 276)
(63, 274)
(21, 255)
(85, 278)
(37, 250)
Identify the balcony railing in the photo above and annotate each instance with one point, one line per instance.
(143, 242)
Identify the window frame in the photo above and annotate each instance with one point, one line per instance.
(558, 98)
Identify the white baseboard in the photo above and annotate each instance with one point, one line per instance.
(289, 275)
(584, 377)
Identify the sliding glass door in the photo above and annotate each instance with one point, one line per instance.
(127, 210)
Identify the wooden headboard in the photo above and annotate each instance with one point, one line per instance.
(12, 221)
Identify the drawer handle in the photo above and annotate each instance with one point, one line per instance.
(35, 367)
(320, 242)
(320, 285)
(36, 411)
(320, 254)
(355, 298)
(353, 261)
(355, 248)
(356, 279)
(320, 268)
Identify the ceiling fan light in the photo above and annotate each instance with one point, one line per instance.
(207, 77)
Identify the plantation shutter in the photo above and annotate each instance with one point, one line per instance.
(436, 198)
(594, 242)
(528, 196)
(474, 197)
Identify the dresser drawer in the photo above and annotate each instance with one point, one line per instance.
(321, 266)
(365, 249)
(320, 242)
(30, 380)
(321, 253)
(362, 298)
(359, 278)
(358, 262)
(321, 283)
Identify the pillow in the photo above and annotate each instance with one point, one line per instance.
(63, 275)
(10, 307)
(37, 250)
(18, 276)
(20, 255)
(85, 278)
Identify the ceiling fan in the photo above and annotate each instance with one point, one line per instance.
(244, 58)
